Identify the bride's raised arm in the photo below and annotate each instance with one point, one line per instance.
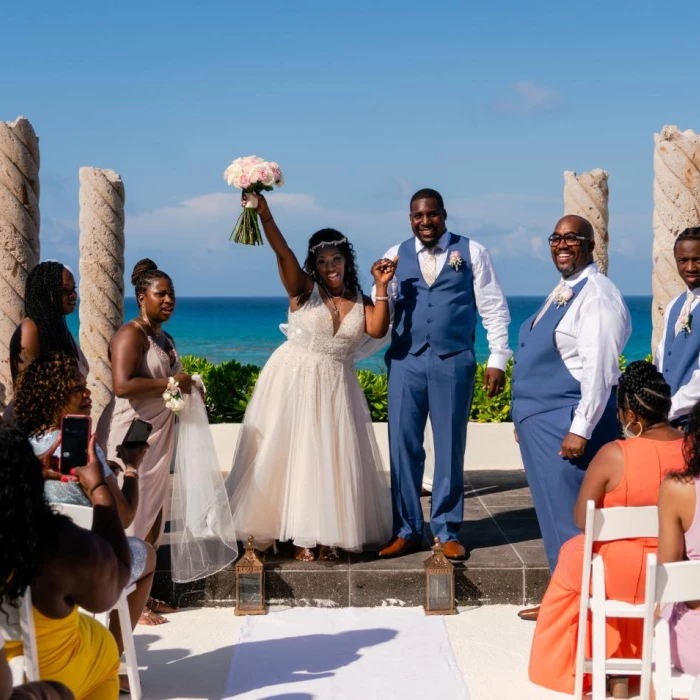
(294, 279)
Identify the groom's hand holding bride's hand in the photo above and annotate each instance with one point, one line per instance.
(494, 381)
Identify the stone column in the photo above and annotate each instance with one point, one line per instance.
(19, 232)
(587, 195)
(101, 275)
(676, 207)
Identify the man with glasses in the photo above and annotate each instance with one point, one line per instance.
(565, 370)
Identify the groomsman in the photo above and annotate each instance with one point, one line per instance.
(679, 350)
(442, 281)
(565, 371)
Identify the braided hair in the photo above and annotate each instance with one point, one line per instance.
(692, 233)
(330, 235)
(28, 525)
(145, 273)
(43, 304)
(643, 390)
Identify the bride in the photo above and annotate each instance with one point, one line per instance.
(307, 467)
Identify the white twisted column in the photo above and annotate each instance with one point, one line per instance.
(19, 232)
(676, 207)
(586, 195)
(101, 275)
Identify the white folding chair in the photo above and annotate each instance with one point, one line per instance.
(606, 525)
(24, 668)
(82, 516)
(666, 583)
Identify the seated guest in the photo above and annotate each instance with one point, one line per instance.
(65, 566)
(43, 690)
(679, 540)
(47, 390)
(623, 473)
(678, 352)
(50, 295)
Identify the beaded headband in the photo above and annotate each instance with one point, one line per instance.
(323, 244)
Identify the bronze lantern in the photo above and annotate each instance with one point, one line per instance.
(439, 583)
(250, 583)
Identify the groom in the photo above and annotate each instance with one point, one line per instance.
(441, 281)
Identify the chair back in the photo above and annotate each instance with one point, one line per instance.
(80, 515)
(625, 522)
(676, 582)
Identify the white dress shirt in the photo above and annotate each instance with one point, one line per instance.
(490, 300)
(590, 338)
(688, 395)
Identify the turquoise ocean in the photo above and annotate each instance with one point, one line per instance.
(246, 329)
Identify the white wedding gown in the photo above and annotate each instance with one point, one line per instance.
(307, 467)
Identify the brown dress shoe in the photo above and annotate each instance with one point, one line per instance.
(454, 550)
(399, 546)
(529, 614)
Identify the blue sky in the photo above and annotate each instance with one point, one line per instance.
(361, 104)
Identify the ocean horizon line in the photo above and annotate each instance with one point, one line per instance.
(281, 296)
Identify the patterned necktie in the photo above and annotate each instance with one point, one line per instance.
(430, 265)
(685, 312)
(548, 303)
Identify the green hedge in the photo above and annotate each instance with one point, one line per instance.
(230, 386)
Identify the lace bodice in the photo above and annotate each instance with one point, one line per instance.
(311, 328)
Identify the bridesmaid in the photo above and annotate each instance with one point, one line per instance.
(143, 358)
(50, 295)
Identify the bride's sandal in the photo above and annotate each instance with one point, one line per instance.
(304, 554)
(160, 607)
(328, 553)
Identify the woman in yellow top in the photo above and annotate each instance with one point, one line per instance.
(66, 566)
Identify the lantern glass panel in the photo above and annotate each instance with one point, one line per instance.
(440, 591)
(249, 591)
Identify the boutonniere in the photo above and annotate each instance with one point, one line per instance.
(686, 324)
(563, 296)
(455, 261)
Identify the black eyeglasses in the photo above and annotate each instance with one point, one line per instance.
(569, 238)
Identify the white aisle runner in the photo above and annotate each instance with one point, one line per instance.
(349, 653)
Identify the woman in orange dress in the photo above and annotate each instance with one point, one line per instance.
(623, 473)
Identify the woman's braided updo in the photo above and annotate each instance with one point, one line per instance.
(145, 273)
(643, 389)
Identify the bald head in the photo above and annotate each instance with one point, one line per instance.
(573, 255)
(578, 223)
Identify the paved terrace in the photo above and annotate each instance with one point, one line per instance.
(506, 562)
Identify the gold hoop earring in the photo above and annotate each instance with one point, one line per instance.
(628, 432)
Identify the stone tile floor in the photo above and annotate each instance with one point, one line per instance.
(505, 565)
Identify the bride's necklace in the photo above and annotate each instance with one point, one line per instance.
(334, 308)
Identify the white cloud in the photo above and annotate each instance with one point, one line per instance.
(530, 98)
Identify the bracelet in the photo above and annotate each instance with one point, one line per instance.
(266, 221)
(94, 488)
(131, 470)
(381, 298)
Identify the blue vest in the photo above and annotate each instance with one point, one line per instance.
(680, 353)
(541, 381)
(443, 315)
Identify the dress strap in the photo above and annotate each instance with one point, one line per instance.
(138, 325)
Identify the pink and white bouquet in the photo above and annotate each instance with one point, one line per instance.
(253, 175)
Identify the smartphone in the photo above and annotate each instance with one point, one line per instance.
(138, 433)
(75, 437)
